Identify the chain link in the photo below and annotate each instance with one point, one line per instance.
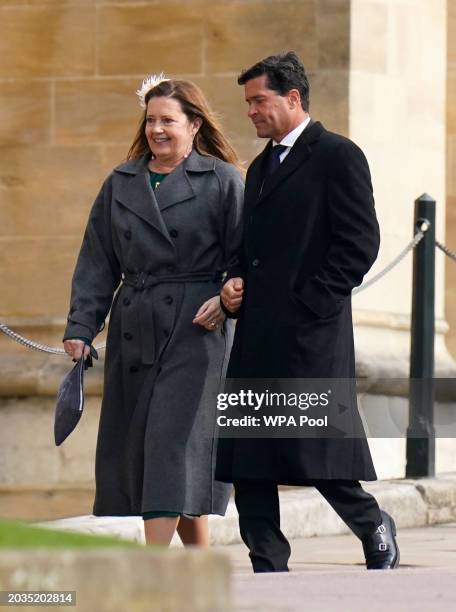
(36, 346)
(411, 245)
(451, 254)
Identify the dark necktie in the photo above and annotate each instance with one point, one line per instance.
(273, 160)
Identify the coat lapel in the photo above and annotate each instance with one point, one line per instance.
(255, 176)
(177, 187)
(174, 189)
(135, 191)
(299, 154)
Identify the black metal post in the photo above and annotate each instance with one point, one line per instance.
(421, 432)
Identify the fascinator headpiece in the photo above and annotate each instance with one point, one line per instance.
(149, 83)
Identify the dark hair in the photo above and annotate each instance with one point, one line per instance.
(209, 139)
(284, 72)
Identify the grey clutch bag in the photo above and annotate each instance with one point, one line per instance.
(70, 399)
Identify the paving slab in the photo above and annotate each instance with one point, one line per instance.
(327, 574)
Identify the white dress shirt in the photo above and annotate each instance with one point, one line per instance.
(289, 140)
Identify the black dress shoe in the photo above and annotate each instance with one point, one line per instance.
(380, 549)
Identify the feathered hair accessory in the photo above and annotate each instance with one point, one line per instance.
(149, 83)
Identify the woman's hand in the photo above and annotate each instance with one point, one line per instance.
(210, 315)
(75, 349)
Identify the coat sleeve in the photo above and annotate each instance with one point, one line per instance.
(354, 234)
(232, 189)
(97, 274)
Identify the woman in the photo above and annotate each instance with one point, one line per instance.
(164, 226)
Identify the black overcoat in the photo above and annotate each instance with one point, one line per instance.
(155, 449)
(310, 235)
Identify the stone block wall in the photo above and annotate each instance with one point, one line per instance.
(397, 113)
(68, 74)
(450, 234)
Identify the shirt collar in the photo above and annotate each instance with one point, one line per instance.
(292, 137)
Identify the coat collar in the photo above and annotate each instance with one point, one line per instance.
(299, 153)
(136, 193)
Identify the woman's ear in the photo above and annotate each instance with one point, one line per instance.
(196, 125)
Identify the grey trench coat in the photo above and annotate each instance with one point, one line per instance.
(164, 253)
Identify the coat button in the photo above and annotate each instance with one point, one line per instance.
(126, 302)
(166, 332)
(168, 300)
(128, 336)
(174, 233)
(171, 268)
(255, 263)
(134, 368)
(127, 235)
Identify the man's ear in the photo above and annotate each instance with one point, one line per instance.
(294, 98)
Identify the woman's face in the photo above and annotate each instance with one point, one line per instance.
(168, 131)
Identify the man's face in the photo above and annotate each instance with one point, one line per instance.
(269, 111)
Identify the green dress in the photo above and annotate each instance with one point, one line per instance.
(156, 178)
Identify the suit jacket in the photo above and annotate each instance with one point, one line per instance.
(310, 235)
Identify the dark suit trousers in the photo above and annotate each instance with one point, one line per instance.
(257, 503)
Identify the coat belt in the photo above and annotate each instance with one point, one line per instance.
(143, 308)
(145, 280)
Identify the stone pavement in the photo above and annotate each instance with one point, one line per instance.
(327, 575)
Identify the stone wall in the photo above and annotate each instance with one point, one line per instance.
(68, 75)
(450, 234)
(397, 114)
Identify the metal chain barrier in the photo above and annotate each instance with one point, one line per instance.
(411, 245)
(36, 346)
(448, 252)
(422, 229)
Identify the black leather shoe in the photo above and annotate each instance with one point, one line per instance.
(380, 549)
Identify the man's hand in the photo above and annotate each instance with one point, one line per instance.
(231, 294)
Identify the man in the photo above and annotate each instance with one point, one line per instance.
(310, 235)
